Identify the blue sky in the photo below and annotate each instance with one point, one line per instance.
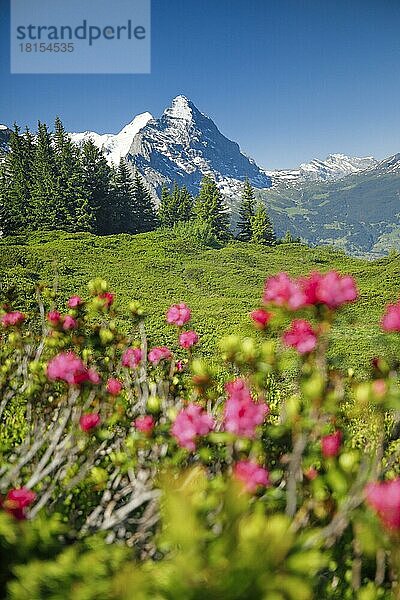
(288, 80)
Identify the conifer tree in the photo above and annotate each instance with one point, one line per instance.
(48, 210)
(16, 183)
(262, 231)
(74, 194)
(144, 210)
(166, 215)
(210, 209)
(175, 206)
(99, 192)
(247, 211)
(124, 218)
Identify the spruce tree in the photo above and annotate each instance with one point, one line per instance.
(48, 209)
(175, 206)
(74, 194)
(144, 210)
(166, 215)
(210, 209)
(262, 231)
(124, 217)
(247, 211)
(16, 183)
(97, 184)
(185, 208)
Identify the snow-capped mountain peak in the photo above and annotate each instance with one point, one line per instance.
(3, 126)
(181, 108)
(115, 146)
(184, 145)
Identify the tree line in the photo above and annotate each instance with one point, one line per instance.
(47, 182)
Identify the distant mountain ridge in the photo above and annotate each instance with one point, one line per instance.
(333, 168)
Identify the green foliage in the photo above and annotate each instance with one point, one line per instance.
(262, 231)
(210, 209)
(247, 210)
(175, 207)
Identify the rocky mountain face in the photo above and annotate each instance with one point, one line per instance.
(184, 145)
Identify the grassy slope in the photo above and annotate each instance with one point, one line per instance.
(221, 285)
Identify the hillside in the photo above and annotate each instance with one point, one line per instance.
(221, 285)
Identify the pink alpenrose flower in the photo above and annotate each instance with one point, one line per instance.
(68, 367)
(391, 318)
(131, 358)
(281, 290)
(190, 423)
(54, 318)
(384, 498)
(331, 289)
(89, 421)
(159, 353)
(74, 302)
(12, 319)
(145, 424)
(114, 386)
(242, 414)
(187, 339)
(178, 314)
(69, 323)
(300, 336)
(108, 298)
(17, 501)
(330, 444)
(260, 318)
(251, 475)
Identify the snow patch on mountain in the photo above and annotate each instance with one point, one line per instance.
(114, 146)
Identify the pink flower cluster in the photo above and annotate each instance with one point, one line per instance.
(74, 302)
(187, 339)
(178, 314)
(17, 501)
(108, 298)
(159, 353)
(260, 318)
(12, 318)
(114, 386)
(330, 444)
(68, 367)
(300, 336)
(89, 421)
(131, 358)
(330, 289)
(190, 423)
(384, 498)
(56, 319)
(251, 475)
(242, 414)
(145, 424)
(391, 318)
